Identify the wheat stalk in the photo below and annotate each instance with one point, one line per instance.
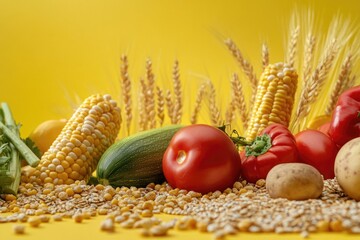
(197, 105)
(244, 64)
(230, 112)
(313, 87)
(176, 117)
(126, 91)
(265, 55)
(142, 103)
(169, 104)
(239, 98)
(160, 105)
(293, 46)
(343, 77)
(308, 57)
(150, 96)
(214, 110)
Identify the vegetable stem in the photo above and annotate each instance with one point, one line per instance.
(29, 156)
(14, 167)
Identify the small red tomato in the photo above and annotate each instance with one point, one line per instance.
(201, 158)
(318, 150)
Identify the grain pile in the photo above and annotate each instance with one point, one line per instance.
(244, 208)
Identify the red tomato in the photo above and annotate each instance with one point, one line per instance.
(201, 158)
(318, 150)
(273, 146)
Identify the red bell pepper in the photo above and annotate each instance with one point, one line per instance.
(345, 122)
(275, 145)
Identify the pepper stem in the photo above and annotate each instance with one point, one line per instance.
(260, 145)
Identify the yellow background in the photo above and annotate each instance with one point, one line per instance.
(55, 53)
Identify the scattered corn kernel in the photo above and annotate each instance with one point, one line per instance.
(19, 229)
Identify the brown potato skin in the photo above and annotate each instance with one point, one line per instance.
(294, 181)
(347, 168)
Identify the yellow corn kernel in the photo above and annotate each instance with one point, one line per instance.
(76, 151)
(274, 98)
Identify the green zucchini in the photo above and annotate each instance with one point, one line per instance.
(136, 160)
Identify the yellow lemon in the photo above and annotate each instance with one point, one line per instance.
(46, 133)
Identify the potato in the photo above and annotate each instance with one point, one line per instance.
(347, 168)
(294, 181)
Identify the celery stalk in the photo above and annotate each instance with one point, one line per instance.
(26, 152)
(14, 166)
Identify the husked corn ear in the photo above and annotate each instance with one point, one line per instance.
(76, 151)
(274, 98)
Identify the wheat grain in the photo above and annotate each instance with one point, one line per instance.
(160, 105)
(244, 64)
(126, 91)
(176, 117)
(150, 96)
(197, 105)
(214, 110)
(169, 104)
(292, 48)
(239, 99)
(265, 55)
(341, 81)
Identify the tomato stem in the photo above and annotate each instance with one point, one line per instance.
(358, 114)
(238, 140)
(260, 146)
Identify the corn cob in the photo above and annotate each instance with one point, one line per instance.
(76, 151)
(274, 98)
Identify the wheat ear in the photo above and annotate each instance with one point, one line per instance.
(244, 64)
(160, 105)
(169, 104)
(126, 91)
(313, 87)
(343, 77)
(199, 98)
(230, 112)
(308, 57)
(292, 48)
(150, 96)
(143, 116)
(214, 110)
(176, 117)
(239, 98)
(264, 55)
